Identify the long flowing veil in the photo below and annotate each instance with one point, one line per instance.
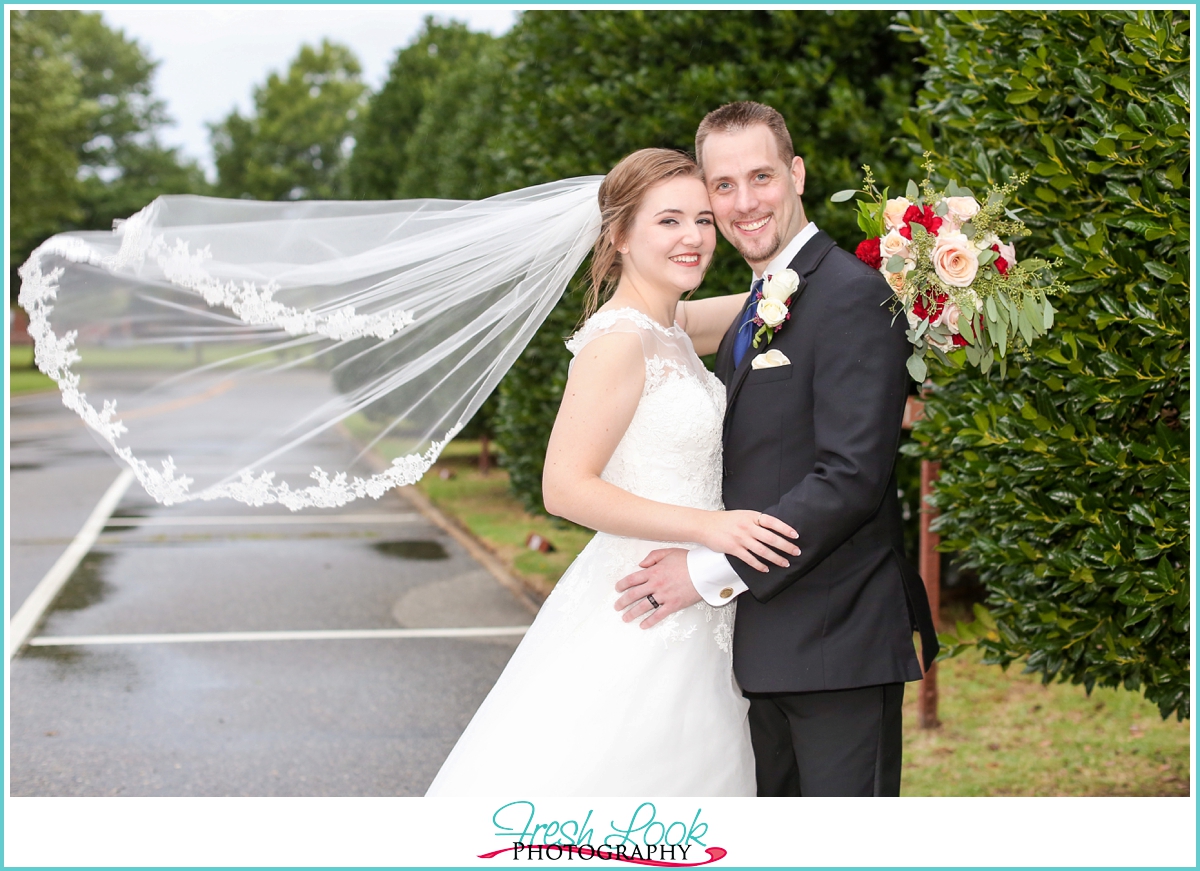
(210, 342)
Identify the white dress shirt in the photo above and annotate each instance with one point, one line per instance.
(710, 572)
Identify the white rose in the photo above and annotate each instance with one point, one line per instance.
(891, 244)
(983, 243)
(961, 209)
(893, 212)
(781, 285)
(955, 259)
(772, 311)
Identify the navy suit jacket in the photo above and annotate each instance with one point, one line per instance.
(814, 444)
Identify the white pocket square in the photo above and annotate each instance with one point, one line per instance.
(770, 359)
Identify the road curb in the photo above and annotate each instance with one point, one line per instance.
(528, 592)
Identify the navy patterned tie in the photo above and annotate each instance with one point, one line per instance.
(746, 330)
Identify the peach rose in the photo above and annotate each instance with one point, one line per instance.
(896, 279)
(961, 210)
(893, 212)
(955, 259)
(1009, 253)
(891, 244)
(949, 316)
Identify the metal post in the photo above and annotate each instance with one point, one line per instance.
(931, 571)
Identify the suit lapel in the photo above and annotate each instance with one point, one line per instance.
(803, 264)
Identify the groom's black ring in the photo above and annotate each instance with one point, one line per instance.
(654, 603)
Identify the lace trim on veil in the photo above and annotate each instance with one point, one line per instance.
(54, 356)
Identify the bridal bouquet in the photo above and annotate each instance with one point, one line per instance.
(953, 267)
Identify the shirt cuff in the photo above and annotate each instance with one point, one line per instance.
(713, 577)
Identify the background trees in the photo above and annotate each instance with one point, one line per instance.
(85, 124)
(1066, 485)
(426, 128)
(298, 141)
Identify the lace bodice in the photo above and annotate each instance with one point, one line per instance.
(671, 451)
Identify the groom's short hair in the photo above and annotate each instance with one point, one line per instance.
(735, 117)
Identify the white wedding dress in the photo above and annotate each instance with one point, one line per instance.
(590, 705)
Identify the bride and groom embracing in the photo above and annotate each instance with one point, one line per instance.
(768, 488)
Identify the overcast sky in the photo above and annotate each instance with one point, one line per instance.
(211, 57)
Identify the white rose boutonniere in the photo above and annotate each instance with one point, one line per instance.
(772, 310)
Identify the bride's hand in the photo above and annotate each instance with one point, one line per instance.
(745, 534)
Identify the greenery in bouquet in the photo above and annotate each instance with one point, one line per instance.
(952, 264)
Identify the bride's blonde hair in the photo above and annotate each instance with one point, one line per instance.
(621, 195)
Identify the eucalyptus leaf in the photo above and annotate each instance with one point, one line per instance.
(1025, 327)
(989, 306)
(966, 326)
(1048, 315)
(843, 196)
(912, 192)
(917, 368)
(895, 263)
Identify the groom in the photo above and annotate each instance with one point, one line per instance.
(822, 648)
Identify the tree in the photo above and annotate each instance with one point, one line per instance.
(426, 134)
(49, 121)
(297, 143)
(589, 87)
(412, 121)
(1066, 485)
(85, 128)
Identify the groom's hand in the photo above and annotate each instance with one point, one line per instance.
(664, 575)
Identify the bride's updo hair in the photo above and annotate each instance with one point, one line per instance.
(621, 195)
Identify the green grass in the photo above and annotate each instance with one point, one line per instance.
(23, 377)
(1004, 733)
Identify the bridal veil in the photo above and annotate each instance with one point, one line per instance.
(392, 319)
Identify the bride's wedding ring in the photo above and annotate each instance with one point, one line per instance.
(654, 603)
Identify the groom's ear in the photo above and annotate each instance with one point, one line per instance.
(798, 174)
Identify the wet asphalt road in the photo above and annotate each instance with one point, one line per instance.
(319, 717)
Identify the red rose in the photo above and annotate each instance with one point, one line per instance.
(923, 216)
(1001, 263)
(926, 314)
(959, 341)
(868, 252)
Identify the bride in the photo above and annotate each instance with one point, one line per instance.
(590, 704)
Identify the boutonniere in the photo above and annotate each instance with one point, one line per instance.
(774, 297)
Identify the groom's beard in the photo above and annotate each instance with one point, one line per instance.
(758, 250)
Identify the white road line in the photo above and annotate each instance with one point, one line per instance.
(261, 520)
(32, 609)
(286, 635)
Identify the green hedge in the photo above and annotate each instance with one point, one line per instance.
(588, 87)
(1066, 485)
